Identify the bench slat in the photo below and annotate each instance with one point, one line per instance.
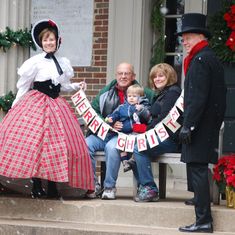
(170, 158)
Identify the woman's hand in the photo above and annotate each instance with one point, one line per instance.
(83, 85)
(79, 85)
(118, 126)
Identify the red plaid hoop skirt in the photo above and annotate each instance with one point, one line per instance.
(41, 137)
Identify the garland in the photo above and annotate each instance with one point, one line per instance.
(157, 22)
(6, 101)
(11, 38)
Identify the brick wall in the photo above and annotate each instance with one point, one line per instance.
(95, 75)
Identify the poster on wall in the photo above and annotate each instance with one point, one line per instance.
(75, 21)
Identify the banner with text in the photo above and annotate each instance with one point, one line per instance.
(126, 142)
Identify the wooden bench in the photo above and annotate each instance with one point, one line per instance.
(163, 160)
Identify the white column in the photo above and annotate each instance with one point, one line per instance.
(130, 36)
(15, 14)
(199, 6)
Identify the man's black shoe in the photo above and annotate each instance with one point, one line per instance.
(190, 202)
(201, 228)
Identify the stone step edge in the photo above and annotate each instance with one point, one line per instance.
(100, 228)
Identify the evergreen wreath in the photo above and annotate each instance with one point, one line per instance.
(222, 27)
(20, 37)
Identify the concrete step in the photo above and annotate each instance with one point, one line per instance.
(167, 214)
(29, 227)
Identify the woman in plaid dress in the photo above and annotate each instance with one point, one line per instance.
(40, 137)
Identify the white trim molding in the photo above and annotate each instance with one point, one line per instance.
(130, 36)
(15, 15)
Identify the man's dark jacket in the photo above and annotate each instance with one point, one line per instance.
(204, 107)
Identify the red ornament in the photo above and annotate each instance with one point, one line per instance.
(231, 41)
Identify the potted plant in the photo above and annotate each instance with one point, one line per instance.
(6, 101)
(224, 176)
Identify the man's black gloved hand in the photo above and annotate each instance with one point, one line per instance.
(185, 135)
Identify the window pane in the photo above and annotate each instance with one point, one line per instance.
(175, 7)
(171, 38)
(179, 38)
(176, 63)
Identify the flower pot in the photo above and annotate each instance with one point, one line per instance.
(230, 197)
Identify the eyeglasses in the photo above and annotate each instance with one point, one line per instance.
(124, 73)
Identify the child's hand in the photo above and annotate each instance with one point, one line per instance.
(108, 120)
(118, 126)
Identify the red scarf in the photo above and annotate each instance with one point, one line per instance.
(192, 53)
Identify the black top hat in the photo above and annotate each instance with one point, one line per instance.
(40, 26)
(194, 23)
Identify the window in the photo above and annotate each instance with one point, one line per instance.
(173, 48)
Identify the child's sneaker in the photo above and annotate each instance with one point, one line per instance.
(126, 166)
(146, 194)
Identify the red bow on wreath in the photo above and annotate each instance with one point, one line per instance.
(229, 17)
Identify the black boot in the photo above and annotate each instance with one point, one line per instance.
(52, 191)
(37, 190)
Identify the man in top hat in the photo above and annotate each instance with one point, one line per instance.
(204, 108)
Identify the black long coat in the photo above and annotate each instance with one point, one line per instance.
(204, 107)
